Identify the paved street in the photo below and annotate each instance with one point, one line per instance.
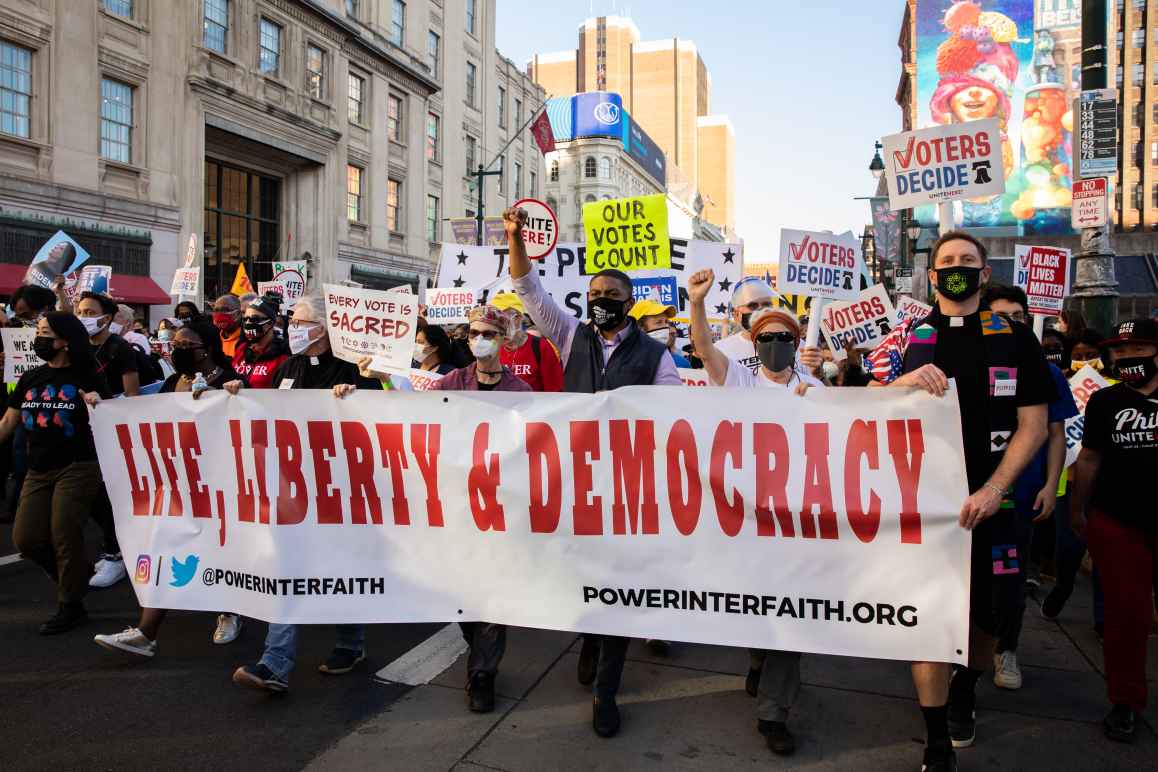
(65, 704)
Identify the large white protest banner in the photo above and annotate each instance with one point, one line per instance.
(19, 357)
(368, 323)
(864, 322)
(563, 274)
(826, 523)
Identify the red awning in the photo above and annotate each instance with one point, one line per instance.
(125, 288)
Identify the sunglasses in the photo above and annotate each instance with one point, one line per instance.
(487, 334)
(777, 337)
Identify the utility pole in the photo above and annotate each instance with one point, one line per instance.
(482, 173)
(1095, 288)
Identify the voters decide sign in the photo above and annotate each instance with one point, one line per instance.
(819, 265)
(447, 305)
(945, 163)
(864, 322)
(1044, 274)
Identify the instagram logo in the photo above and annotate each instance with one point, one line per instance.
(144, 569)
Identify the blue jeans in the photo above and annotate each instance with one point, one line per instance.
(281, 646)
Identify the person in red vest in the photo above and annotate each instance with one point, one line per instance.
(531, 358)
(262, 349)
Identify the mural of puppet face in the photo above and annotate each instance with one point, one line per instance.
(974, 103)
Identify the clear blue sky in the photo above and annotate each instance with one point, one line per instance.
(808, 87)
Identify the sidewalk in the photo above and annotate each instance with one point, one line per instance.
(690, 712)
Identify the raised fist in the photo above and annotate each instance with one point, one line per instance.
(513, 221)
(700, 284)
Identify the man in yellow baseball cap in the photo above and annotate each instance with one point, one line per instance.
(654, 319)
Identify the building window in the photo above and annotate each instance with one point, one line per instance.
(518, 112)
(315, 72)
(1154, 152)
(555, 170)
(1154, 197)
(1138, 200)
(15, 89)
(502, 107)
(242, 214)
(433, 50)
(534, 186)
(518, 180)
(122, 8)
(393, 205)
(1118, 75)
(216, 25)
(604, 168)
(1138, 74)
(116, 121)
(1139, 113)
(502, 173)
(471, 154)
(432, 131)
(357, 96)
(553, 204)
(1138, 38)
(352, 8)
(471, 77)
(353, 193)
(470, 16)
(398, 23)
(394, 118)
(269, 60)
(432, 221)
(589, 168)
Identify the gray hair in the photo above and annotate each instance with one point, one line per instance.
(316, 305)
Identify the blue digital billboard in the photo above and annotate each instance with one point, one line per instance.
(601, 114)
(644, 151)
(597, 114)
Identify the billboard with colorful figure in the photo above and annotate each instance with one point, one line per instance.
(979, 59)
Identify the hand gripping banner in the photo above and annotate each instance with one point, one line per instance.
(748, 518)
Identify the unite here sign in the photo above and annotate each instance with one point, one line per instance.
(944, 163)
(1044, 274)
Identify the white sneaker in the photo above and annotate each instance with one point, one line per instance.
(228, 628)
(110, 569)
(131, 641)
(1006, 673)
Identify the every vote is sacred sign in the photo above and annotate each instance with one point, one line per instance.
(944, 163)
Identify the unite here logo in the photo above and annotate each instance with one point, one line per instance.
(943, 163)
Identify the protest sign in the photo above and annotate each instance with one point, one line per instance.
(692, 377)
(564, 275)
(944, 163)
(368, 323)
(819, 265)
(291, 275)
(19, 357)
(423, 380)
(271, 288)
(1044, 274)
(1083, 384)
(59, 256)
(185, 281)
(760, 520)
(90, 278)
(864, 322)
(907, 308)
(541, 232)
(449, 306)
(628, 234)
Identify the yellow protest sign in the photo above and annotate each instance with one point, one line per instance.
(629, 234)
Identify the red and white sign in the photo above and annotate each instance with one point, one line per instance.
(944, 163)
(368, 323)
(908, 308)
(1083, 384)
(1044, 274)
(449, 305)
(645, 519)
(693, 377)
(1090, 203)
(541, 232)
(819, 264)
(864, 322)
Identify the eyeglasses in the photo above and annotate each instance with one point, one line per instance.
(487, 334)
(777, 337)
(756, 305)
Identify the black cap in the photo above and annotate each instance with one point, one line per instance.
(1135, 331)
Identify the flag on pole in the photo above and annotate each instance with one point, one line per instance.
(544, 137)
(241, 284)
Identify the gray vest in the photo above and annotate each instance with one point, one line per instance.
(633, 363)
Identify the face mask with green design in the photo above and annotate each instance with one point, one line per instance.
(958, 282)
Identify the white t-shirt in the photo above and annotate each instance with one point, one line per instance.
(740, 349)
(739, 376)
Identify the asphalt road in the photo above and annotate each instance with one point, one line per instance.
(67, 704)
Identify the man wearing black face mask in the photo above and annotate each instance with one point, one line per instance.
(606, 353)
(1119, 453)
(1003, 388)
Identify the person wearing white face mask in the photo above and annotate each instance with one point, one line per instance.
(654, 319)
(433, 351)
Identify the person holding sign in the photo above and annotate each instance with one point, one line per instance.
(606, 353)
(1119, 453)
(50, 403)
(1003, 389)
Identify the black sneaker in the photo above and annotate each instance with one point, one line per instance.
(752, 682)
(1055, 601)
(962, 725)
(259, 677)
(341, 661)
(588, 660)
(480, 693)
(1121, 724)
(605, 717)
(780, 740)
(67, 616)
(939, 760)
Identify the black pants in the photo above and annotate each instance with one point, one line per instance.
(102, 514)
(612, 656)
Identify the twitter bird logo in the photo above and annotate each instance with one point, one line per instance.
(183, 572)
